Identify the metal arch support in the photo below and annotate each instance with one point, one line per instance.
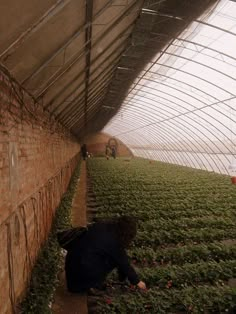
(190, 111)
(191, 119)
(198, 51)
(189, 153)
(187, 84)
(190, 60)
(186, 116)
(141, 142)
(197, 44)
(193, 75)
(171, 146)
(189, 129)
(175, 148)
(161, 54)
(206, 137)
(203, 126)
(182, 82)
(199, 109)
(144, 152)
(182, 129)
(146, 71)
(216, 27)
(218, 100)
(199, 63)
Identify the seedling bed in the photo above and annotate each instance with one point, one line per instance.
(185, 247)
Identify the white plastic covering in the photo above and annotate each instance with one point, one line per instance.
(182, 107)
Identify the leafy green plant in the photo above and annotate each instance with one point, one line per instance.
(185, 236)
(44, 274)
(203, 299)
(192, 253)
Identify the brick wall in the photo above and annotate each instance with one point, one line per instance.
(37, 158)
(96, 144)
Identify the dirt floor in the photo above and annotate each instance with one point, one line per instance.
(65, 302)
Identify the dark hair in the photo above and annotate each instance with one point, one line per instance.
(126, 229)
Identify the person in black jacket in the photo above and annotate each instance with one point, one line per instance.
(97, 252)
(84, 152)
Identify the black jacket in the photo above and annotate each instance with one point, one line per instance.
(91, 257)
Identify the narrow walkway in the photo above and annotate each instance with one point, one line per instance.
(65, 302)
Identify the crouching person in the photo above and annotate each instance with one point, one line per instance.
(98, 251)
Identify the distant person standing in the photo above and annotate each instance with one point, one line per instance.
(108, 152)
(84, 151)
(113, 152)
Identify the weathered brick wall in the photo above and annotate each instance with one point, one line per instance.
(37, 158)
(96, 144)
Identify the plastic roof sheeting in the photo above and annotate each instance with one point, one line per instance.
(65, 53)
(182, 107)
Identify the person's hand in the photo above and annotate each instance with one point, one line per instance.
(142, 285)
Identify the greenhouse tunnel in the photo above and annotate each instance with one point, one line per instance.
(154, 79)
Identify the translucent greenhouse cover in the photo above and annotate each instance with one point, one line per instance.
(182, 107)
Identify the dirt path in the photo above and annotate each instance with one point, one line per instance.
(65, 302)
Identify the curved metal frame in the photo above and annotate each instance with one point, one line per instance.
(189, 129)
(176, 160)
(177, 125)
(182, 122)
(198, 109)
(191, 118)
(198, 130)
